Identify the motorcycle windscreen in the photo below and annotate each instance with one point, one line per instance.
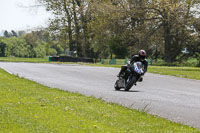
(138, 67)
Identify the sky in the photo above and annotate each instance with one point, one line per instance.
(14, 15)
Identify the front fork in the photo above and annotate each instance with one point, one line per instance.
(128, 74)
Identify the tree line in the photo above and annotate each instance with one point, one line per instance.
(37, 44)
(106, 28)
(119, 28)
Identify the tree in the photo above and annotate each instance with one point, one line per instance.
(6, 34)
(103, 26)
(71, 19)
(175, 18)
(39, 51)
(31, 39)
(2, 49)
(63, 20)
(116, 47)
(14, 33)
(21, 33)
(122, 19)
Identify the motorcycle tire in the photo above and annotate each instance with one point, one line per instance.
(116, 86)
(130, 83)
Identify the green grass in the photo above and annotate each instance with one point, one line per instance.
(183, 72)
(190, 62)
(26, 106)
(17, 59)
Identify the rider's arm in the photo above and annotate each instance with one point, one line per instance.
(145, 66)
(133, 59)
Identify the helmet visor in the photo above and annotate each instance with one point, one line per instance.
(142, 57)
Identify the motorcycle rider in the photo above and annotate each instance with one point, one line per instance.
(141, 57)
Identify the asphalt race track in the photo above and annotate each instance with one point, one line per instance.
(176, 99)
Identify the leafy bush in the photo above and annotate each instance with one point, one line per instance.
(190, 62)
(21, 49)
(40, 51)
(118, 48)
(52, 52)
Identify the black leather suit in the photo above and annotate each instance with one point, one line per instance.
(135, 58)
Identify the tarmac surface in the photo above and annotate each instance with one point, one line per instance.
(176, 99)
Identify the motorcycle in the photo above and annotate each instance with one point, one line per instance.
(133, 73)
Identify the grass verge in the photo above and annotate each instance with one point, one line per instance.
(17, 59)
(183, 72)
(26, 106)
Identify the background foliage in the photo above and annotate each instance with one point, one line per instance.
(166, 29)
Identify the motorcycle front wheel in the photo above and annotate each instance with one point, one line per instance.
(130, 83)
(116, 85)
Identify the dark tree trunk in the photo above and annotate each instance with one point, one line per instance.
(173, 44)
(86, 44)
(2, 49)
(168, 45)
(77, 31)
(69, 27)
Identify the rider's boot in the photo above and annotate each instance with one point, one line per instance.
(140, 79)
